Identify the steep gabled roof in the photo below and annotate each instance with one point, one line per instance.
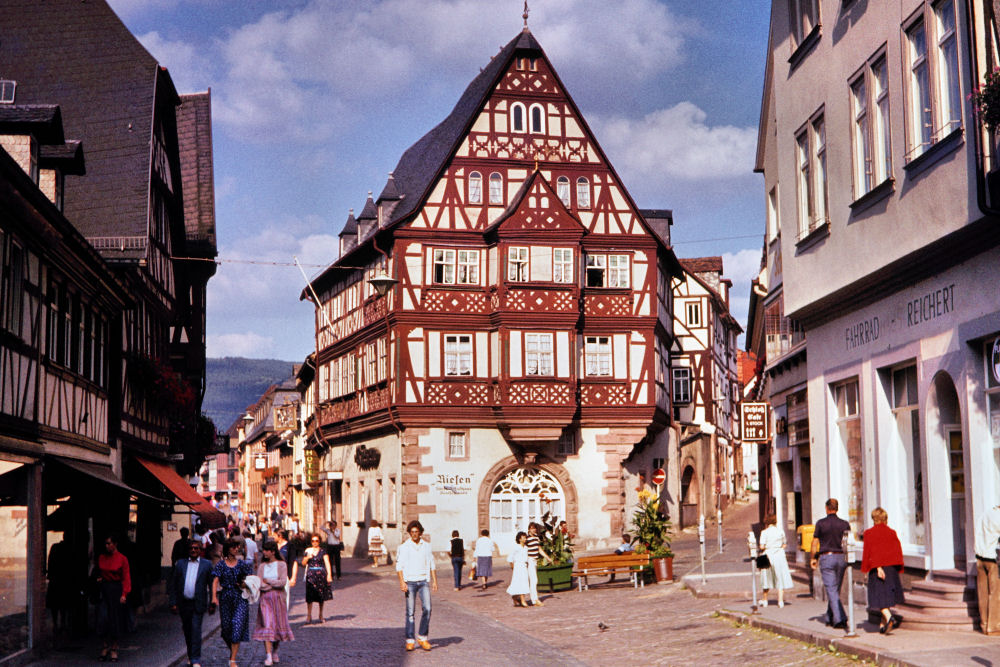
(44, 121)
(351, 226)
(369, 212)
(558, 217)
(194, 138)
(702, 264)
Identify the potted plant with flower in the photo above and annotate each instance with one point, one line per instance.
(652, 535)
(558, 545)
(986, 105)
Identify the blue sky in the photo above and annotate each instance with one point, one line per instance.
(314, 102)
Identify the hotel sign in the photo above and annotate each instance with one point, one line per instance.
(754, 420)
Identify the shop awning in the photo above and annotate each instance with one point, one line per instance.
(210, 516)
(100, 473)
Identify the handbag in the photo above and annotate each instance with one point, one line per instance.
(763, 562)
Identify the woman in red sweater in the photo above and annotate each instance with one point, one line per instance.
(882, 559)
(115, 583)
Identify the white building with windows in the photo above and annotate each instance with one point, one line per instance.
(884, 230)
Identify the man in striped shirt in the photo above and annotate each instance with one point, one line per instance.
(534, 551)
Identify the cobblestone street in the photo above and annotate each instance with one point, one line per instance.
(657, 625)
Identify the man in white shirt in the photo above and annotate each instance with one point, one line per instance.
(987, 577)
(252, 550)
(415, 567)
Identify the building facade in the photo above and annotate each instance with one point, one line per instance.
(886, 224)
(518, 366)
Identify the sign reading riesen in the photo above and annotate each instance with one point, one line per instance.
(753, 417)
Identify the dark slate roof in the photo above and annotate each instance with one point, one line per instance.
(369, 212)
(702, 264)
(351, 226)
(80, 56)
(420, 165)
(44, 121)
(194, 138)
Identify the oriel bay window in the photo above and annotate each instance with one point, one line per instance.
(607, 270)
(538, 354)
(597, 355)
(517, 264)
(562, 265)
(458, 354)
(455, 267)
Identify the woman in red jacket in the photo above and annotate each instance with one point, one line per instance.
(881, 559)
(114, 582)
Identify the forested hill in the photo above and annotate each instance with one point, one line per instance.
(233, 383)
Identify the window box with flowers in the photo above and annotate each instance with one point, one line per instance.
(651, 534)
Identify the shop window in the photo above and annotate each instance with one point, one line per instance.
(845, 397)
(904, 448)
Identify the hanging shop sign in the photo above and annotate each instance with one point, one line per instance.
(753, 420)
(367, 459)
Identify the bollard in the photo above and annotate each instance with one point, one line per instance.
(848, 546)
(752, 545)
(718, 519)
(701, 543)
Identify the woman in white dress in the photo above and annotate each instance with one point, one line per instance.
(376, 545)
(777, 575)
(518, 558)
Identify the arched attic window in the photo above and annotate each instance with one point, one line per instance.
(562, 190)
(582, 193)
(517, 114)
(475, 188)
(537, 114)
(496, 188)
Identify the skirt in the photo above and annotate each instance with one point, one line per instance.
(778, 575)
(519, 584)
(484, 566)
(884, 593)
(272, 618)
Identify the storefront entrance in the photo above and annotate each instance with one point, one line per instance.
(521, 496)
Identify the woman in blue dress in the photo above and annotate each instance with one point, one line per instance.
(227, 593)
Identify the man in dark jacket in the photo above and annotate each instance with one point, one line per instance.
(828, 554)
(188, 593)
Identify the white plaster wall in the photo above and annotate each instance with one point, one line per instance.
(356, 509)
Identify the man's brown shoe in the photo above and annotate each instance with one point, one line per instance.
(410, 646)
(424, 644)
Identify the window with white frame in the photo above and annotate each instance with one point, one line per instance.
(458, 354)
(562, 190)
(562, 265)
(537, 114)
(517, 264)
(496, 188)
(538, 354)
(597, 355)
(870, 135)
(693, 312)
(934, 103)
(517, 114)
(451, 267)
(804, 16)
(582, 193)
(475, 188)
(457, 445)
(607, 270)
(813, 193)
(682, 384)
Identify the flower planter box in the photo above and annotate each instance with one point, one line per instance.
(555, 577)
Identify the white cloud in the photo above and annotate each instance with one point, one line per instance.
(189, 68)
(742, 266)
(240, 345)
(128, 10)
(676, 144)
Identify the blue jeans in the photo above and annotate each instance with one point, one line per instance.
(831, 569)
(413, 589)
(456, 566)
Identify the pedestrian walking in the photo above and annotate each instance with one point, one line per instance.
(227, 594)
(776, 575)
(828, 555)
(987, 578)
(881, 559)
(188, 592)
(333, 544)
(286, 553)
(250, 547)
(415, 568)
(483, 554)
(376, 543)
(534, 545)
(272, 614)
(457, 558)
(318, 577)
(180, 548)
(518, 559)
(114, 583)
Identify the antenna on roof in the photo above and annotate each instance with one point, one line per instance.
(525, 14)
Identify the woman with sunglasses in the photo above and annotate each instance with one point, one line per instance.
(272, 616)
(319, 576)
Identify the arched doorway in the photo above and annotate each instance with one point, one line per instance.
(945, 432)
(689, 496)
(522, 496)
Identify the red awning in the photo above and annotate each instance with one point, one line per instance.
(210, 516)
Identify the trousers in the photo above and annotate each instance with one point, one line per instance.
(533, 579)
(988, 594)
(191, 624)
(831, 569)
(413, 590)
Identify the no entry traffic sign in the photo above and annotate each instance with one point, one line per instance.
(659, 477)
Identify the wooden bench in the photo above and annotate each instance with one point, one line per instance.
(610, 564)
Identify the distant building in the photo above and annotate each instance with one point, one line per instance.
(519, 364)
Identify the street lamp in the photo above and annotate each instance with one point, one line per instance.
(382, 282)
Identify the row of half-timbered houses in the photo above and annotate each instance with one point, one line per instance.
(102, 349)
(518, 362)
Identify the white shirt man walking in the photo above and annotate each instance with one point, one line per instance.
(415, 568)
(987, 579)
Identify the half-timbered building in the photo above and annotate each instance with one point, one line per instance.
(519, 363)
(705, 388)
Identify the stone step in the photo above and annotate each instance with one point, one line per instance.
(932, 601)
(940, 589)
(952, 576)
(937, 619)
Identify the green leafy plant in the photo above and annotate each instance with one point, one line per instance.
(557, 544)
(650, 527)
(986, 100)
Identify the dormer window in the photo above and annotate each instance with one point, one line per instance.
(7, 91)
(517, 113)
(537, 119)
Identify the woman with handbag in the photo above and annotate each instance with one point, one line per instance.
(775, 573)
(882, 559)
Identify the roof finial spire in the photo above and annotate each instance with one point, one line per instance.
(525, 14)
